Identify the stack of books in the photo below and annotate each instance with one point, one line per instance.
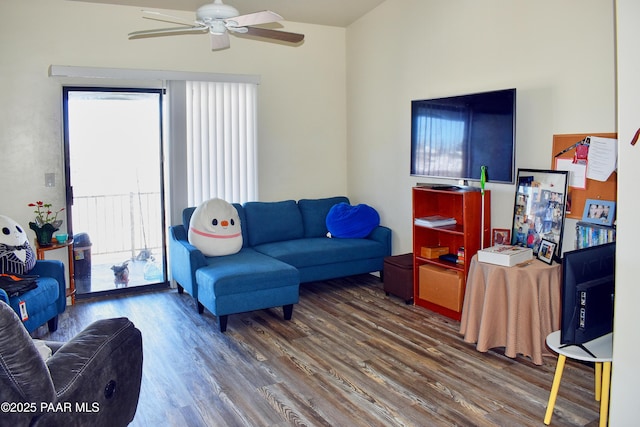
(505, 255)
(435, 221)
(588, 235)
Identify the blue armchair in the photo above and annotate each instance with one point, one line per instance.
(44, 303)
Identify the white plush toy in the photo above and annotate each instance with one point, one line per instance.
(215, 228)
(16, 255)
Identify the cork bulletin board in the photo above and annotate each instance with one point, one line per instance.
(594, 189)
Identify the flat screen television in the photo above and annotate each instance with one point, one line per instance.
(588, 285)
(454, 137)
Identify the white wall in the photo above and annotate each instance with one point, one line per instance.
(559, 56)
(302, 121)
(626, 374)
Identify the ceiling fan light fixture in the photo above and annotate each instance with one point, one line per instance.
(219, 19)
(216, 10)
(217, 27)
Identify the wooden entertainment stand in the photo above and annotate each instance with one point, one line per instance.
(440, 285)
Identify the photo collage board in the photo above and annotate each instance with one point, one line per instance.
(539, 209)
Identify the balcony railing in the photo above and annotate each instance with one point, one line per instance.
(120, 223)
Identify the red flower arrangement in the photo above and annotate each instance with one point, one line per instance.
(44, 214)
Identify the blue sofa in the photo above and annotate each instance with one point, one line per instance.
(284, 244)
(45, 302)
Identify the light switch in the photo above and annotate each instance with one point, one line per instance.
(49, 179)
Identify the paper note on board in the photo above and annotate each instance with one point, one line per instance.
(577, 172)
(603, 158)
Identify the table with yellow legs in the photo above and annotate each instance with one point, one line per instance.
(601, 355)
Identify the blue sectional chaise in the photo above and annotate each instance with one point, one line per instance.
(284, 244)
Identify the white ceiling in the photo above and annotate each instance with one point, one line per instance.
(337, 13)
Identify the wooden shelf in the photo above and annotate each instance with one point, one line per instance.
(454, 229)
(440, 263)
(465, 205)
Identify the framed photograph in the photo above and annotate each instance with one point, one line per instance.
(500, 236)
(539, 208)
(547, 251)
(599, 212)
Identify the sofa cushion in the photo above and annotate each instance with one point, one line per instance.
(273, 221)
(187, 213)
(317, 251)
(38, 299)
(245, 272)
(314, 214)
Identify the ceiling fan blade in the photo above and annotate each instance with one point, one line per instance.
(256, 18)
(274, 34)
(220, 41)
(167, 32)
(158, 16)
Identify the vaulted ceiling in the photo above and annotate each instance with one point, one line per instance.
(338, 13)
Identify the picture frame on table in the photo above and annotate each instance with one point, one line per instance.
(547, 251)
(539, 209)
(500, 236)
(599, 212)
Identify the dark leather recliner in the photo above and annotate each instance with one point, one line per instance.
(92, 380)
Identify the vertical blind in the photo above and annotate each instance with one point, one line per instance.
(221, 126)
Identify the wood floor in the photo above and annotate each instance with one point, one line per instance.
(351, 356)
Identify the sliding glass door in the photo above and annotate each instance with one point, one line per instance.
(115, 197)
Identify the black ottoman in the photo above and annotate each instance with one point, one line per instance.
(398, 276)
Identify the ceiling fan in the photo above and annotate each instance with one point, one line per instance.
(218, 20)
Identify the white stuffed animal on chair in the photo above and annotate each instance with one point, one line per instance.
(215, 228)
(16, 255)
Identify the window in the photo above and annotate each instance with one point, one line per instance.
(221, 133)
(211, 137)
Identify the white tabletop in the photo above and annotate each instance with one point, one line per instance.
(601, 347)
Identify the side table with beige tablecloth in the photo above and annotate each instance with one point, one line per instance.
(512, 307)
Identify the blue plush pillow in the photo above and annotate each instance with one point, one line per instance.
(346, 221)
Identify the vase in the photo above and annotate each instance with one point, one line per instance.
(44, 233)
